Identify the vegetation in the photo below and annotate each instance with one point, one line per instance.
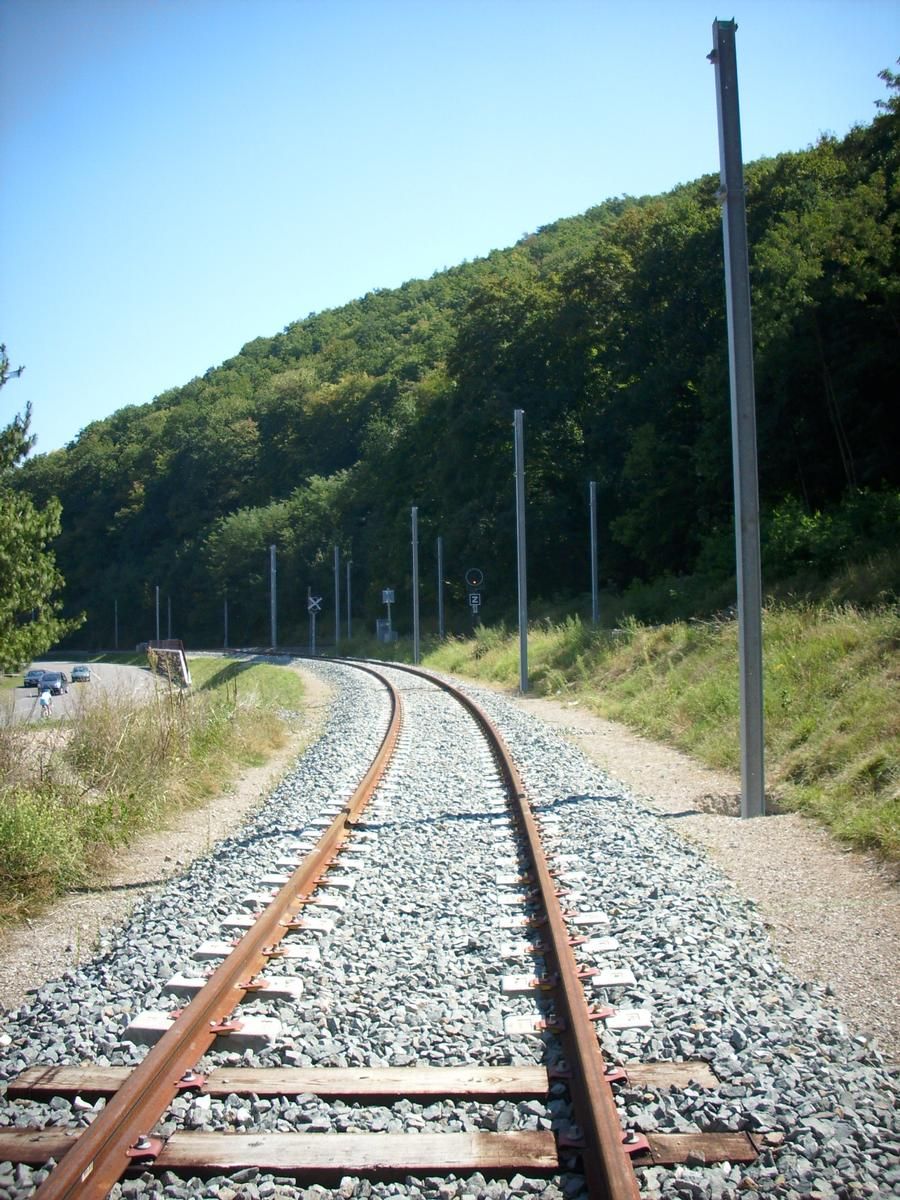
(608, 329)
(832, 699)
(74, 793)
(29, 605)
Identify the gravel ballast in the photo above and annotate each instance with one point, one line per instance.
(412, 970)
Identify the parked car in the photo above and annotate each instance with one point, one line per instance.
(33, 677)
(81, 674)
(56, 681)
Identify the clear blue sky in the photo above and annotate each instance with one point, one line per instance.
(182, 176)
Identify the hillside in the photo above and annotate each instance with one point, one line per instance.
(608, 329)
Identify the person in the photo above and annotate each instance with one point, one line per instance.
(46, 702)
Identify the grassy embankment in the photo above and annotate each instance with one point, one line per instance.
(74, 790)
(832, 699)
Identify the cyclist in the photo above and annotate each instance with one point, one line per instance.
(46, 703)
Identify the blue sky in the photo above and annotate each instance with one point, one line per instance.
(182, 176)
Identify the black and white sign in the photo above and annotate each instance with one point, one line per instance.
(314, 604)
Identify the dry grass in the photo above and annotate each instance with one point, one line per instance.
(77, 790)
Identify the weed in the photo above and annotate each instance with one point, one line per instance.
(122, 764)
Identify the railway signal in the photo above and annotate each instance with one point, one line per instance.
(474, 581)
(313, 606)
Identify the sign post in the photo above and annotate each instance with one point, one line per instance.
(474, 583)
(387, 598)
(313, 606)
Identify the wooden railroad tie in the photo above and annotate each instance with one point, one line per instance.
(381, 1155)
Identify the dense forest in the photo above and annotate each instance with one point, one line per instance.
(608, 329)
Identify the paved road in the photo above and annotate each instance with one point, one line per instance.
(106, 678)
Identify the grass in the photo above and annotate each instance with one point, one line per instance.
(832, 699)
(83, 787)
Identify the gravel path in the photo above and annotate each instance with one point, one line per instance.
(701, 962)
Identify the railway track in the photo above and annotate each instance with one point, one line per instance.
(516, 1061)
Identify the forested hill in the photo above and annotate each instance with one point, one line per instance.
(608, 329)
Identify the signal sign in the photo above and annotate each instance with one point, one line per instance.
(474, 578)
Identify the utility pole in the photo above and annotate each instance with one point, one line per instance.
(157, 612)
(225, 621)
(115, 623)
(349, 622)
(337, 597)
(272, 605)
(440, 586)
(595, 604)
(414, 517)
(518, 416)
(743, 420)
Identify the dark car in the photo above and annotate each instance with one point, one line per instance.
(56, 681)
(33, 677)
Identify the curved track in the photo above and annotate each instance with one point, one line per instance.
(121, 1137)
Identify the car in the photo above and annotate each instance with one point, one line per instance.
(33, 677)
(81, 674)
(56, 681)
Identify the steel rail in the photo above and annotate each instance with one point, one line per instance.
(119, 1136)
(607, 1167)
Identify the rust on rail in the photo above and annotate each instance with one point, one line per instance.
(607, 1167)
(101, 1155)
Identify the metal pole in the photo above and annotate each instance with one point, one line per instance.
(414, 513)
(440, 584)
(518, 416)
(743, 420)
(349, 623)
(337, 597)
(595, 605)
(157, 612)
(225, 618)
(116, 623)
(169, 617)
(272, 608)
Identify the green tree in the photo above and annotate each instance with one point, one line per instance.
(29, 623)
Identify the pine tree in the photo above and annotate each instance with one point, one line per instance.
(29, 580)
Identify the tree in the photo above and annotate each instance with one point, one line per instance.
(29, 621)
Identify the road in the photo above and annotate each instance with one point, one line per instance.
(106, 678)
